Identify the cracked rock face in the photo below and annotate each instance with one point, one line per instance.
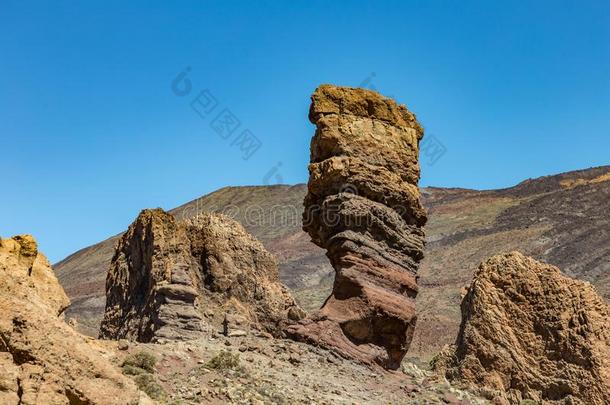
(171, 280)
(530, 332)
(363, 206)
(42, 359)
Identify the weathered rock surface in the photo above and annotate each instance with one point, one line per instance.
(239, 276)
(149, 289)
(166, 275)
(363, 206)
(42, 359)
(530, 332)
(22, 263)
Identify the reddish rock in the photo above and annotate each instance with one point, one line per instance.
(363, 206)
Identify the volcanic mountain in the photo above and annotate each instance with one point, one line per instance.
(560, 219)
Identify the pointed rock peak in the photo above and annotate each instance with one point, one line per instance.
(173, 280)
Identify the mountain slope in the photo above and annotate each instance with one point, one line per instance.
(559, 219)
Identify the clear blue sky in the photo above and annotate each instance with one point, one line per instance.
(91, 131)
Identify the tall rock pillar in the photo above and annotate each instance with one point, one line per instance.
(363, 206)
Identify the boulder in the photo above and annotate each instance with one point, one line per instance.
(530, 332)
(363, 206)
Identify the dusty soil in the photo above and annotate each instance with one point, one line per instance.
(276, 371)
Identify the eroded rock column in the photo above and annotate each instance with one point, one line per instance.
(363, 206)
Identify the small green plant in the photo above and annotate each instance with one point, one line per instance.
(528, 402)
(148, 383)
(141, 367)
(131, 370)
(141, 360)
(225, 360)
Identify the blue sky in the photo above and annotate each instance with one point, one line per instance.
(91, 131)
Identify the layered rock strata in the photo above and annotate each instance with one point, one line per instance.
(363, 206)
(173, 280)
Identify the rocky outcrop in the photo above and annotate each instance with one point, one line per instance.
(170, 279)
(363, 206)
(24, 265)
(150, 292)
(530, 332)
(42, 359)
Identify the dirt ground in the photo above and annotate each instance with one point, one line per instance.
(263, 370)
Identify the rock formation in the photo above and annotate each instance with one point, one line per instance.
(42, 359)
(530, 332)
(149, 289)
(363, 206)
(166, 275)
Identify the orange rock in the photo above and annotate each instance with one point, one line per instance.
(42, 359)
(531, 332)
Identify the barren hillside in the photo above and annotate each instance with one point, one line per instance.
(559, 219)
